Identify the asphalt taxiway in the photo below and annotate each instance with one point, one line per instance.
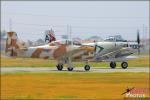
(77, 69)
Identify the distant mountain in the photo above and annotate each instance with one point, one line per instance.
(97, 38)
(76, 39)
(38, 42)
(29, 43)
(35, 43)
(92, 39)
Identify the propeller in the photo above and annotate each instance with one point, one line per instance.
(12, 50)
(138, 41)
(95, 47)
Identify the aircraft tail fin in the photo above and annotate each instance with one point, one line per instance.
(49, 36)
(13, 44)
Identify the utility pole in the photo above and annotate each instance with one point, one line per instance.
(67, 40)
(71, 36)
(10, 25)
(143, 32)
(69, 32)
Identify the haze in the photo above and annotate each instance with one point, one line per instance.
(87, 18)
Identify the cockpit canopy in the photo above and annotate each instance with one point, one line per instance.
(116, 38)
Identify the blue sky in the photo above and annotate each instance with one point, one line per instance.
(102, 18)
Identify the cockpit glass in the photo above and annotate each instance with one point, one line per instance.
(116, 38)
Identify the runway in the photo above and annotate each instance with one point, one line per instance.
(77, 69)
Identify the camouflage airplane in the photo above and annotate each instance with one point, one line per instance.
(64, 51)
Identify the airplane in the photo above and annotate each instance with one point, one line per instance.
(62, 51)
(114, 49)
(66, 51)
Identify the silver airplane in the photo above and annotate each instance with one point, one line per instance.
(114, 49)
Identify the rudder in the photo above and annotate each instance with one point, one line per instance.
(13, 44)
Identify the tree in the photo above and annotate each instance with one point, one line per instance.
(3, 34)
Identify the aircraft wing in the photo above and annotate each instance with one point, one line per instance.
(122, 52)
(113, 54)
(76, 52)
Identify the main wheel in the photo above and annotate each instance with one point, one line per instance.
(70, 68)
(59, 67)
(124, 65)
(87, 67)
(113, 65)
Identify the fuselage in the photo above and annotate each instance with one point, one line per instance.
(120, 49)
(44, 51)
(49, 51)
(55, 50)
(108, 45)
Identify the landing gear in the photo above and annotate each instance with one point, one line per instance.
(70, 68)
(124, 65)
(69, 63)
(113, 65)
(87, 67)
(59, 67)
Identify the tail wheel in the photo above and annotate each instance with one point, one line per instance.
(87, 67)
(59, 67)
(113, 65)
(124, 65)
(70, 68)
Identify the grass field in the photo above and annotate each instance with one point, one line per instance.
(70, 85)
(30, 62)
